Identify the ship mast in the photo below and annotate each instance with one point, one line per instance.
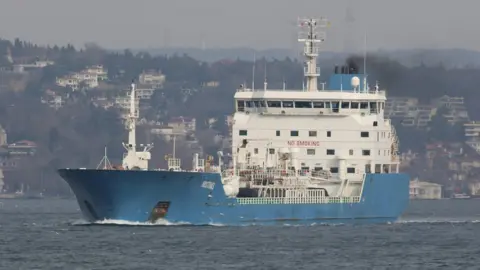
(132, 121)
(134, 159)
(311, 37)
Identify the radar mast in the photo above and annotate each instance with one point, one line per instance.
(310, 35)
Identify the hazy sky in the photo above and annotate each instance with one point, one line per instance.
(252, 23)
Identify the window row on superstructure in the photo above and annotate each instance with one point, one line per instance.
(331, 152)
(377, 168)
(328, 152)
(372, 106)
(312, 133)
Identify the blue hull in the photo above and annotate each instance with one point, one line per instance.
(133, 195)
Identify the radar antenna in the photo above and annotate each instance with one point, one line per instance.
(311, 37)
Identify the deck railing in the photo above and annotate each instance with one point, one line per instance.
(299, 200)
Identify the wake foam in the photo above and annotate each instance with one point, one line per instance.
(438, 221)
(117, 222)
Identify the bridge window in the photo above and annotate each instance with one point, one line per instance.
(345, 105)
(287, 104)
(350, 170)
(363, 105)
(311, 152)
(365, 152)
(277, 133)
(259, 103)
(274, 104)
(373, 107)
(303, 104)
(317, 169)
(328, 105)
(364, 134)
(312, 133)
(241, 105)
(354, 105)
(335, 106)
(375, 123)
(242, 132)
(330, 152)
(334, 170)
(318, 105)
(271, 151)
(294, 133)
(329, 134)
(249, 104)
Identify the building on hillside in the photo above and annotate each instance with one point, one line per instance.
(21, 68)
(2, 184)
(457, 111)
(103, 102)
(123, 103)
(398, 106)
(55, 101)
(211, 84)
(425, 190)
(457, 116)
(183, 125)
(448, 102)
(152, 78)
(3, 136)
(68, 81)
(78, 80)
(474, 188)
(424, 115)
(409, 111)
(22, 148)
(472, 130)
(163, 131)
(87, 78)
(141, 93)
(98, 70)
(472, 135)
(413, 114)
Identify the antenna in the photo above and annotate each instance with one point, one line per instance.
(106, 163)
(174, 144)
(265, 76)
(323, 85)
(253, 71)
(365, 64)
(311, 38)
(284, 83)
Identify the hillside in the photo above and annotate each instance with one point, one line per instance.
(74, 133)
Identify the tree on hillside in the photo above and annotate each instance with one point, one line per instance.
(442, 130)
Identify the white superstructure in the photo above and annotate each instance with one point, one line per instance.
(333, 136)
(321, 128)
